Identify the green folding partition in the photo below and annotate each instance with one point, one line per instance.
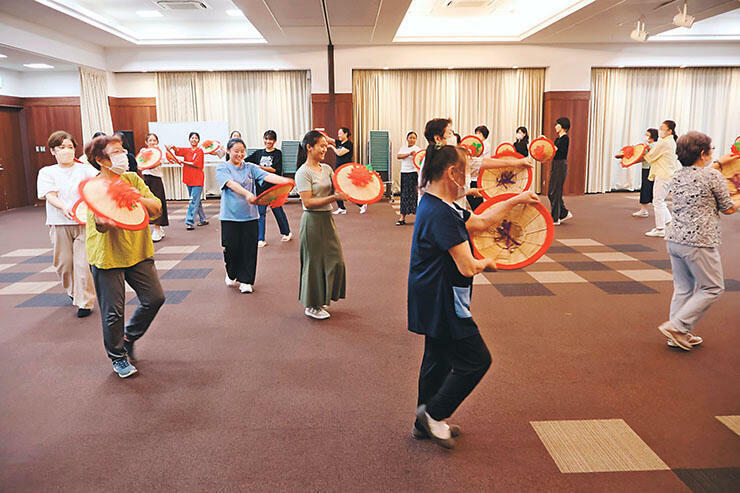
(379, 150)
(290, 156)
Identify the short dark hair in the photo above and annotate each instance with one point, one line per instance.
(232, 142)
(95, 149)
(346, 131)
(98, 134)
(691, 145)
(56, 139)
(231, 135)
(436, 127)
(442, 159)
(563, 122)
(193, 133)
(653, 133)
(483, 130)
(524, 130)
(270, 134)
(410, 134)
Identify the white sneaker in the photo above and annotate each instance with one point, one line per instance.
(230, 282)
(641, 213)
(440, 429)
(569, 216)
(157, 235)
(261, 244)
(287, 237)
(340, 211)
(655, 232)
(162, 232)
(245, 288)
(363, 209)
(317, 313)
(556, 223)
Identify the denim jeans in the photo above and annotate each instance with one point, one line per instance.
(697, 283)
(279, 214)
(195, 206)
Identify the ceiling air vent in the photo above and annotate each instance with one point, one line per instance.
(182, 4)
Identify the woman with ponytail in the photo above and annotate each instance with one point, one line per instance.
(322, 262)
(663, 164)
(440, 285)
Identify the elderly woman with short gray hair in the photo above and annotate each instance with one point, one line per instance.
(699, 193)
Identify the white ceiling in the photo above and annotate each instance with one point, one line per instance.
(114, 23)
(16, 58)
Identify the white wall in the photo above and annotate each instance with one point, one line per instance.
(12, 85)
(40, 84)
(132, 85)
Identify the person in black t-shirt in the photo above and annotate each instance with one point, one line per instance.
(345, 150)
(521, 145)
(270, 160)
(558, 172)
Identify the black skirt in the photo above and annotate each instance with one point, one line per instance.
(409, 197)
(157, 187)
(646, 190)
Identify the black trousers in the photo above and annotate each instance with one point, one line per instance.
(111, 292)
(239, 240)
(450, 370)
(474, 201)
(646, 190)
(555, 189)
(156, 185)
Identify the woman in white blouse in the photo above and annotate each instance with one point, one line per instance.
(153, 179)
(409, 177)
(663, 164)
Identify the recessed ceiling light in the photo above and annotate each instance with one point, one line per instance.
(621, 66)
(683, 66)
(149, 13)
(515, 67)
(210, 70)
(3, 56)
(38, 65)
(450, 68)
(385, 68)
(234, 13)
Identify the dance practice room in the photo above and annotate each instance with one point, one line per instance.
(370, 245)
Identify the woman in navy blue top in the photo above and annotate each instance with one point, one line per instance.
(439, 289)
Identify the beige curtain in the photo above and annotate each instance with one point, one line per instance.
(94, 106)
(626, 102)
(251, 102)
(403, 100)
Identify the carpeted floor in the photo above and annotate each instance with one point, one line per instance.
(243, 392)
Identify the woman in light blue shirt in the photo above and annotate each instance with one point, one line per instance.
(239, 214)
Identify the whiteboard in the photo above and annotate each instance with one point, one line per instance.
(176, 133)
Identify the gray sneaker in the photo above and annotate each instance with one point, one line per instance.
(123, 368)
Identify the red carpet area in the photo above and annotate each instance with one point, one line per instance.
(243, 392)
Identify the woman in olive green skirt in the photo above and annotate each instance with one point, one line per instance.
(323, 277)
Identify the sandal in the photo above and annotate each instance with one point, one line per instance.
(667, 330)
(693, 340)
(400, 222)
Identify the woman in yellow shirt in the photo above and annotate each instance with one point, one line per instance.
(118, 256)
(663, 163)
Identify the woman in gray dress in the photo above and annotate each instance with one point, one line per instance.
(322, 263)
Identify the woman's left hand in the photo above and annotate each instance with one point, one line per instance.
(251, 198)
(526, 162)
(528, 197)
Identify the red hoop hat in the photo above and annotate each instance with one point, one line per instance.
(359, 184)
(79, 211)
(632, 154)
(735, 147)
(115, 200)
(495, 181)
(172, 157)
(148, 158)
(418, 158)
(519, 240)
(505, 147)
(542, 149)
(473, 144)
(322, 132)
(210, 146)
(731, 172)
(276, 195)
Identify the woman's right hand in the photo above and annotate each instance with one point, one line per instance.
(528, 197)
(251, 198)
(340, 196)
(68, 214)
(526, 162)
(490, 265)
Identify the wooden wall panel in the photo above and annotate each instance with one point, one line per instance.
(573, 105)
(44, 116)
(13, 185)
(133, 114)
(342, 115)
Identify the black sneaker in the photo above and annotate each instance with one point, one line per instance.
(83, 312)
(189, 227)
(400, 222)
(203, 223)
(128, 346)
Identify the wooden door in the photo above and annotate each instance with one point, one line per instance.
(13, 190)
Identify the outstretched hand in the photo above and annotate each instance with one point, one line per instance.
(528, 197)
(527, 162)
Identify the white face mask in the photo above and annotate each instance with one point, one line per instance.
(462, 190)
(451, 140)
(119, 163)
(65, 155)
(519, 136)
